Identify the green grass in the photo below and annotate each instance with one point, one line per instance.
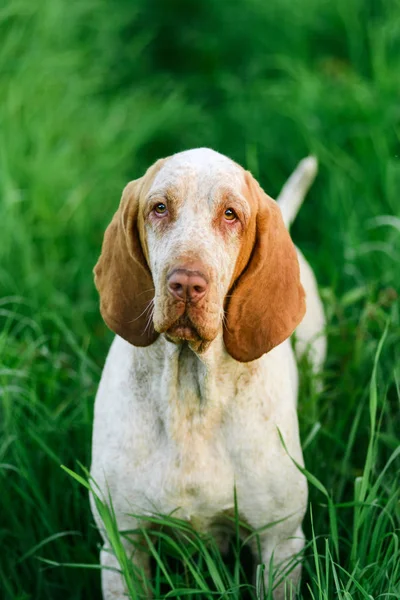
(90, 94)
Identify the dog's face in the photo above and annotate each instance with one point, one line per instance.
(197, 247)
(195, 216)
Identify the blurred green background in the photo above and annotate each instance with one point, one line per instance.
(91, 93)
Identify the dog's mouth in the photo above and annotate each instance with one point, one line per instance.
(183, 330)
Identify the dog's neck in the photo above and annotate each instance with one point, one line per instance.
(192, 391)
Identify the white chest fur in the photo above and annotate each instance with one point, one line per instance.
(172, 432)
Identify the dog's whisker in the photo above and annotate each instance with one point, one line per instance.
(225, 321)
(148, 306)
(152, 289)
(150, 318)
(147, 328)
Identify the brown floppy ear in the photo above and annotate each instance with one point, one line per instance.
(267, 300)
(122, 276)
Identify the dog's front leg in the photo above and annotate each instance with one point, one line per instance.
(284, 557)
(113, 582)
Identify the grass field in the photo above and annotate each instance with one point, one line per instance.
(91, 93)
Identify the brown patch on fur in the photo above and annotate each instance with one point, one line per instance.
(267, 300)
(122, 275)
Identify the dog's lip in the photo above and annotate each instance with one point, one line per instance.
(183, 333)
(183, 329)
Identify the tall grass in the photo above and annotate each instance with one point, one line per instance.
(90, 94)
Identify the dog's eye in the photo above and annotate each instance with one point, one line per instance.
(160, 208)
(230, 214)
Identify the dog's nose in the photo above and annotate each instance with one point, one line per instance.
(187, 284)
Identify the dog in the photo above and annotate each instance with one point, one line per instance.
(202, 284)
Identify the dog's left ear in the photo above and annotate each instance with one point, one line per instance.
(267, 300)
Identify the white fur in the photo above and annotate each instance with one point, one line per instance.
(177, 431)
(310, 334)
(199, 180)
(292, 194)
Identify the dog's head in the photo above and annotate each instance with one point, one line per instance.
(196, 246)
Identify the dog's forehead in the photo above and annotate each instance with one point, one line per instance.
(199, 168)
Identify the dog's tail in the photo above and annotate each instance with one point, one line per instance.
(293, 192)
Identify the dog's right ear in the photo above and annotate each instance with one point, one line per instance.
(122, 276)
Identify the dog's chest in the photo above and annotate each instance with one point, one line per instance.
(214, 430)
(194, 470)
(198, 479)
(176, 437)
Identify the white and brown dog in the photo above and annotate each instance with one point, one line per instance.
(199, 279)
